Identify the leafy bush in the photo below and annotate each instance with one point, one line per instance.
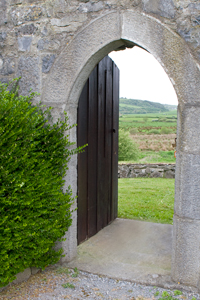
(165, 130)
(133, 130)
(154, 131)
(34, 210)
(128, 150)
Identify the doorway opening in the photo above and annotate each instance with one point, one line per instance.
(147, 138)
(150, 129)
(98, 116)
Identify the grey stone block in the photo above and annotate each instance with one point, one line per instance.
(132, 175)
(91, 7)
(22, 276)
(148, 171)
(24, 43)
(45, 44)
(189, 140)
(160, 7)
(169, 174)
(185, 253)
(4, 80)
(142, 175)
(156, 174)
(34, 270)
(29, 70)
(69, 23)
(7, 66)
(3, 36)
(47, 63)
(187, 191)
(3, 12)
(27, 29)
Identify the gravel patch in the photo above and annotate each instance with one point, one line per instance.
(63, 283)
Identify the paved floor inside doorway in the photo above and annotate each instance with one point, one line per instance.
(130, 250)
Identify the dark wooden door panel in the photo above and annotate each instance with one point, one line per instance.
(92, 153)
(101, 178)
(108, 145)
(82, 166)
(115, 120)
(98, 115)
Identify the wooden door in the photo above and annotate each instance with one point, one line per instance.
(98, 118)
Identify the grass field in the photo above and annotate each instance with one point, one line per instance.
(148, 199)
(152, 157)
(145, 123)
(154, 134)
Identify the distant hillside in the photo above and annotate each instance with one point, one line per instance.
(132, 106)
(170, 107)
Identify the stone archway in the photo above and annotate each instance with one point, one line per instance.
(64, 85)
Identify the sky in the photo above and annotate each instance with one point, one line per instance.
(142, 77)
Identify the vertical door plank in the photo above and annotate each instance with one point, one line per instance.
(115, 120)
(108, 145)
(82, 131)
(101, 178)
(92, 154)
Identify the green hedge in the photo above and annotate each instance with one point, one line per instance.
(128, 150)
(34, 212)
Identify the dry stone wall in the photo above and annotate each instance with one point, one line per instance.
(146, 170)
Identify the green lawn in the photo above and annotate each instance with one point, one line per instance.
(148, 199)
(153, 157)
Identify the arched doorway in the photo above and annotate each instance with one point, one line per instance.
(64, 86)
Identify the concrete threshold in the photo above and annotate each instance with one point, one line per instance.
(129, 250)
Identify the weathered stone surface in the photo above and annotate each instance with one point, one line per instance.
(91, 7)
(46, 44)
(16, 2)
(47, 63)
(3, 13)
(136, 2)
(70, 22)
(29, 70)
(182, 3)
(24, 43)
(4, 80)
(185, 253)
(22, 276)
(26, 29)
(1, 63)
(170, 174)
(160, 7)
(190, 128)
(34, 270)
(156, 174)
(187, 192)
(30, 13)
(2, 39)
(7, 66)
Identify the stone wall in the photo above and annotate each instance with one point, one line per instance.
(146, 170)
(34, 33)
